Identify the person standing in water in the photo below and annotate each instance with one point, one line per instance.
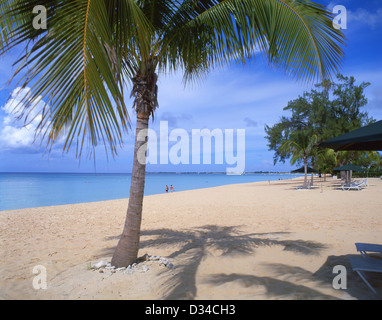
(166, 188)
(172, 188)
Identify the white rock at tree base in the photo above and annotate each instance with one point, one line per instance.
(141, 266)
(99, 265)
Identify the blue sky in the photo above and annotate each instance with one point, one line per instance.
(237, 97)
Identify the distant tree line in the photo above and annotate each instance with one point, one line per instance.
(329, 110)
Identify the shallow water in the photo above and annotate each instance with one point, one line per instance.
(27, 190)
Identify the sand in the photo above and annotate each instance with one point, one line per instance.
(245, 241)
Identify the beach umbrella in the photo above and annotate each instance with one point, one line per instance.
(302, 170)
(368, 138)
(348, 167)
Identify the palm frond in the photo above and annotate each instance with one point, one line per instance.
(92, 48)
(296, 35)
(75, 67)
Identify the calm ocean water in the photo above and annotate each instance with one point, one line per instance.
(27, 190)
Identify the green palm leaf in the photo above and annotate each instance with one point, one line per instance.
(296, 35)
(92, 48)
(75, 68)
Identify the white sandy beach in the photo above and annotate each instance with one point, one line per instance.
(246, 241)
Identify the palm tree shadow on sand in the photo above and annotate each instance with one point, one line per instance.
(191, 246)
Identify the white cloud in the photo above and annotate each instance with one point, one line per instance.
(224, 93)
(20, 133)
(365, 17)
(359, 16)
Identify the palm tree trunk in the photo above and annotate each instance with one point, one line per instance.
(305, 172)
(126, 252)
(351, 171)
(145, 92)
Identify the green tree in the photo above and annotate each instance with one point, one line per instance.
(325, 161)
(328, 110)
(93, 49)
(301, 147)
(345, 112)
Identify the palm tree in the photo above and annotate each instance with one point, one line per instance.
(301, 145)
(326, 160)
(93, 49)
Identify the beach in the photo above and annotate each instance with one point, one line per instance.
(244, 241)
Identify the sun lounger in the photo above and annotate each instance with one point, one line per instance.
(368, 247)
(361, 265)
(352, 186)
(308, 186)
(363, 183)
(356, 185)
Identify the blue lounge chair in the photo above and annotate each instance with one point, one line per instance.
(364, 183)
(368, 247)
(361, 265)
(353, 186)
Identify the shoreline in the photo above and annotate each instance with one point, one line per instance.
(241, 241)
(292, 179)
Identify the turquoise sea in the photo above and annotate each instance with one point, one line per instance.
(27, 190)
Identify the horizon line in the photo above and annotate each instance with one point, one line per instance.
(177, 172)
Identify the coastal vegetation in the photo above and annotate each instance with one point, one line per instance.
(330, 109)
